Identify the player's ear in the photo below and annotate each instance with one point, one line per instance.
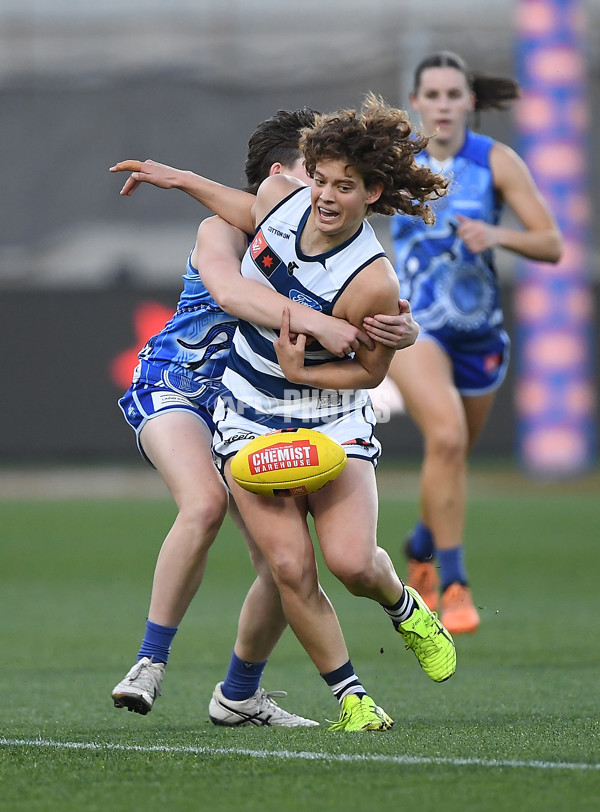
(374, 193)
(276, 169)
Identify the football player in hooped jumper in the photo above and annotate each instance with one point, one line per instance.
(169, 405)
(360, 162)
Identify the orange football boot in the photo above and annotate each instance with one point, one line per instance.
(459, 615)
(422, 576)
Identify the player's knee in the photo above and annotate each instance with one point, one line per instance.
(449, 444)
(356, 573)
(289, 572)
(204, 517)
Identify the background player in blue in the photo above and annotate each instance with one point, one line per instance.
(315, 244)
(170, 405)
(449, 377)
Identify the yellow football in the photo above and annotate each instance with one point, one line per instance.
(290, 462)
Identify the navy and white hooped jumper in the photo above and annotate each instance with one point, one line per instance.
(259, 398)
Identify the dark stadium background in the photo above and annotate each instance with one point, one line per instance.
(81, 88)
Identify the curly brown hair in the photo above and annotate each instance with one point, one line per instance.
(379, 142)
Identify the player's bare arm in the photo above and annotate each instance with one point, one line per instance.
(374, 290)
(217, 254)
(233, 205)
(540, 238)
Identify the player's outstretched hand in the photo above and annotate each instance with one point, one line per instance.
(161, 175)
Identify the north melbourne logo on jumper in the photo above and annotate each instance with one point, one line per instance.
(284, 456)
(265, 259)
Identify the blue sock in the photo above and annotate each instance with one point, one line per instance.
(157, 642)
(343, 681)
(452, 567)
(242, 678)
(421, 544)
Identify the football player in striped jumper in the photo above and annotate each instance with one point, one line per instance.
(449, 379)
(314, 246)
(169, 405)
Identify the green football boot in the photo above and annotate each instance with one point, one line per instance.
(431, 642)
(361, 714)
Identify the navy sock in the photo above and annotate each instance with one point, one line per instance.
(157, 642)
(343, 681)
(452, 567)
(421, 544)
(242, 678)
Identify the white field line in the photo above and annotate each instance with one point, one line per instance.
(304, 755)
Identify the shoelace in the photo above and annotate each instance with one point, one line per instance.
(265, 697)
(361, 710)
(266, 704)
(427, 647)
(366, 712)
(426, 644)
(339, 724)
(145, 675)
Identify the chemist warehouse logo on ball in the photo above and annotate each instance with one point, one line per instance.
(284, 456)
(264, 258)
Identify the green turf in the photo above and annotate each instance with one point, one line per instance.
(74, 587)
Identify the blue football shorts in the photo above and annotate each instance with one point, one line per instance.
(477, 372)
(143, 401)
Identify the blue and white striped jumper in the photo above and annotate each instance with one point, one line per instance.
(258, 397)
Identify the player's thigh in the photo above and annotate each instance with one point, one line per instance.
(423, 374)
(277, 526)
(345, 516)
(179, 446)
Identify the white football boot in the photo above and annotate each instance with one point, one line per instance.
(259, 709)
(140, 686)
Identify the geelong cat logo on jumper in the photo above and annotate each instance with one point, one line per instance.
(283, 456)
(264, 258)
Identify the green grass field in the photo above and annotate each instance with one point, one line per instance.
(517, 727)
